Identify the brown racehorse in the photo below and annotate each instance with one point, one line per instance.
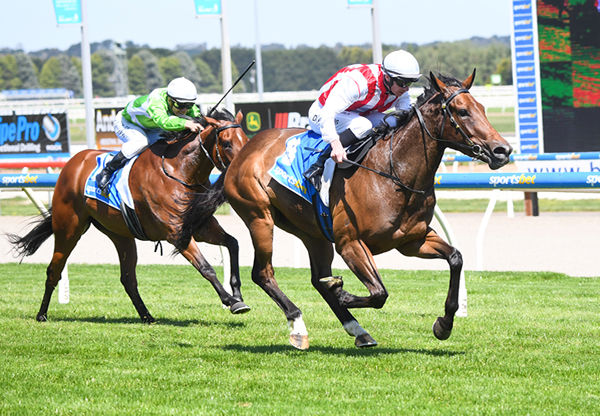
(173, 200)
(371, 214)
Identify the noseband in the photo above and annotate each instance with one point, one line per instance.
(218, 131)
(469, 146)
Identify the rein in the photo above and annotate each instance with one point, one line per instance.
(470, 146)
(218, 131)
(393, 176)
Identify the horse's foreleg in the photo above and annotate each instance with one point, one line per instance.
(261, 231)
(434, 247)
(194, 256)
(321, 255)
(127, 251)
(213, 233)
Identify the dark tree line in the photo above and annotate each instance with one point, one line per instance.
(131, 69)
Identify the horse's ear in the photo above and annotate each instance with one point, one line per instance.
(436, 83)
(238, 117)
(467, 83)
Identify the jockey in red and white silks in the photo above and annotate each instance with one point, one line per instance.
(356, 97)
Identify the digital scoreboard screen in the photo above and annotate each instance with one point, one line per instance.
(569, 61)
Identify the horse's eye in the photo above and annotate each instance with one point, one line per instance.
(463, 113)
(227, 145)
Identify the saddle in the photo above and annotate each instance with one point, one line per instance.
(357, 151)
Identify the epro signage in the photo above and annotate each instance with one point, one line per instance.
(28, 135)
(280, 114)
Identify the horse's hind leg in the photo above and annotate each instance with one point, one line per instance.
(68, 229)
(212, 233)
(434, 247)
(193, 255)
(127, 252)
(321, 256)
(261, 231)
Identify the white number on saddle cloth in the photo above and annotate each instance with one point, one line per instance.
(290, 151)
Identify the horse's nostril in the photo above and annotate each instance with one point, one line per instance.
(503, 150)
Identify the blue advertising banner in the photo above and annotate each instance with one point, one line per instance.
(67, 11)
(207, 7)
(518, 180)
(355, 3)
(526, 72)
(34, 135)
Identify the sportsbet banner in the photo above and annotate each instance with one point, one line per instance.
(34, 135)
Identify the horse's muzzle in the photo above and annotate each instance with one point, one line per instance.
(499, 156)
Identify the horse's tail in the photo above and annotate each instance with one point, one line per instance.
(29, 244)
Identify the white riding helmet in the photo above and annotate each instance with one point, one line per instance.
(401, 64)
(182, 90)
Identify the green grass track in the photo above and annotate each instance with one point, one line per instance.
(530, 345)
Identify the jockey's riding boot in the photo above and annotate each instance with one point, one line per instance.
(103, 178)
(313, 174)
(315, 171)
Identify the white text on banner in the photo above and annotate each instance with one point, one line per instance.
(357, 3)
(207, 7)
(67, 11)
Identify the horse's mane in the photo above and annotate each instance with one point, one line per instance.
(198, 207)
(219, 114)
(429, 91)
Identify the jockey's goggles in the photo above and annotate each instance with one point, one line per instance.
(182, 105)
(403, 82)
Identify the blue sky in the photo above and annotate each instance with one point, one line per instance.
(31, 24)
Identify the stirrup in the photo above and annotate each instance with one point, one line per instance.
(314, 177)
(102, 177)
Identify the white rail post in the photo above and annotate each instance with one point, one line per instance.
(482, 227)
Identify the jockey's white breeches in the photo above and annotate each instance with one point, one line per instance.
(135, 138)
(359, 125)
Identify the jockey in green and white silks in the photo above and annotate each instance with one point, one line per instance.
(142, 120)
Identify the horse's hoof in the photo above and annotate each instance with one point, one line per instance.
(332, 282)
(439, 331)
(364, 341)
(41, 317)
(239, 307)
(148, 319)
(299, 341)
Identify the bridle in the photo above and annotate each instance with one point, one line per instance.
(446, 114)
(475, 149)
(221, 164)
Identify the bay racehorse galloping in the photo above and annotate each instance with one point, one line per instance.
(173, 200)
(371, 214)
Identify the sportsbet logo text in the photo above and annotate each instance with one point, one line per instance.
(512, 180)
(21, 179)
(593, 180)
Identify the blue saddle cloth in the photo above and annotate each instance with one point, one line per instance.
(118, 191)
(301, 151)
